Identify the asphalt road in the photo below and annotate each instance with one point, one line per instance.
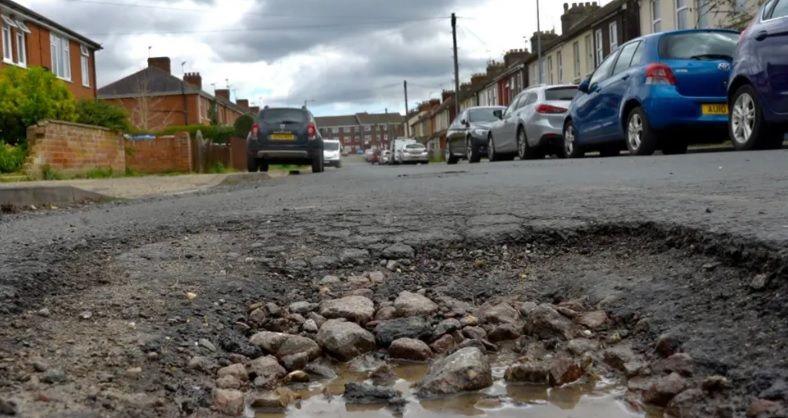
(743, 193)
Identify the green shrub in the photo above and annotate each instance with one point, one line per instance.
(28, 96)
(94, 112)
(11, 157)
(243, 125)
(218, 134)
(217, 168)
(100, 173)
(48, 173)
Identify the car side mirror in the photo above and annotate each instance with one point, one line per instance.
(498, 113)
(584, 87)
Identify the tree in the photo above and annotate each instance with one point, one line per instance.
(734, 14)
(99, 113)
(28, 96)
(149, 112)
(243, 125)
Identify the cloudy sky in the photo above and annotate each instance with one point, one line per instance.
(345, 55)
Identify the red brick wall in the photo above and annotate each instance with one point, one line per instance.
(72, 148)
(161, 155)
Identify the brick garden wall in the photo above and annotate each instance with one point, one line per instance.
(71, 148)
(165, 154)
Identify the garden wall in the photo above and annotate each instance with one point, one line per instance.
(73, 149)
(166, 154)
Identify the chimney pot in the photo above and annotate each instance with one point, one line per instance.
(195, 79)
(223, 93)
(162, 63)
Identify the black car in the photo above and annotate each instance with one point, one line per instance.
(284, 136)
(467, 136)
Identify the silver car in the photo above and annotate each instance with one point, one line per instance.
(532, 126)
(414, 153)
(332, 154)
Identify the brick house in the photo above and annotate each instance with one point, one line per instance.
(156, 99)
(32, 40)
(362, 130)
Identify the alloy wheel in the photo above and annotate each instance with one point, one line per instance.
(521, 145)
(569, 140)
(635, 131)
(743, 118)
(491, 149)
(447, 153)
(468, 149)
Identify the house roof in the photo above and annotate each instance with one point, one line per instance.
(45, 21)
(345, 120)
(378, 118)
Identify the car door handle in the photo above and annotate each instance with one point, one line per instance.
(626, 77)
(761, 35)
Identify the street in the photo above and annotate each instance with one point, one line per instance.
(107, 306)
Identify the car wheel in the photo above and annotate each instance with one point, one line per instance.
(491, 150)
(338, 164)
(641, 139)
(571, 148)
(748, 129)
(472, 151)
(317, 164)
(451, 159)
(610, 151)
(263, 166)
(675, 147)
(251, 165)
(524, 152)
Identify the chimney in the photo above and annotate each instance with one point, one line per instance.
(514, 56)
(446, 95)
(254, 110)
(575, 14)
(242, 103)
(162, 63)
(223, 93)
(194, 79)
(547, 39)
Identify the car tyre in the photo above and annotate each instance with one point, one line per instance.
(524, 152)
(252, 164)
(338, 164)
(318, 164)
(641, 138)
(451, 159)
(491, 155)
(571, 148)
(747, 127)
(472, 151)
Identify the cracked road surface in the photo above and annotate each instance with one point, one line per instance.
(95, 320)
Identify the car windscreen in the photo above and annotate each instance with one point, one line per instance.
(280, 116)
(482, 115)
(561, 93)
(331, 146)
(699, 46)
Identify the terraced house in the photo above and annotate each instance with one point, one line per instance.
(32, 40)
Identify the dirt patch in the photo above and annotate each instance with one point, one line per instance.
(109, 328)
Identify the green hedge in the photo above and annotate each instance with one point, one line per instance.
(216, 134)
(11, 157)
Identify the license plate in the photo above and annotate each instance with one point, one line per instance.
(282, 137)
(715, 109)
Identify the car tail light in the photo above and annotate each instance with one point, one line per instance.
(549, 110)
(311, 131)
(255, 130)
(659, 74)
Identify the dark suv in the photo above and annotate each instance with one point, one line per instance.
(284, 136)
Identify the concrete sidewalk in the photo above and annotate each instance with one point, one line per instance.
(78, 191)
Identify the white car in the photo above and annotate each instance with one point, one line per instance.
(414, 153)
(332, 153)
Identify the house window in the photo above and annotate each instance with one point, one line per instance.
(613, 36)
(8, 53)
(84, 61)
(656, 16)
(576, 53)
(600, 49)
(61, 56)
(550, 70)
(21, 49)
(589, 54)
(682, 14)
(560, 63)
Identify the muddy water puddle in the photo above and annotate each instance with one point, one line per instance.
(598, 399)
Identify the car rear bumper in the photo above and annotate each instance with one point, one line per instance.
(420, 158)
(665, 113)
(546, 131)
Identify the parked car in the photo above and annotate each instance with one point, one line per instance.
(284, 136)
(758, 89)
(397, 148)
(385, 157)
(651, 88)
(414, 153)
(370, 156)
(532, 126)
(332, 156)
(467, 136)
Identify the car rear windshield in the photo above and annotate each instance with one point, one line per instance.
(699, 46)
(331, 146)
(562, 93)
(280, 116)
(482, 115)
(414, 146)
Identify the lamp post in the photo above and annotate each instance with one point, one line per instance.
(539, 43)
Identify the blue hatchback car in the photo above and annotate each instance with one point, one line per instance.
(650, 88)
(759, 83)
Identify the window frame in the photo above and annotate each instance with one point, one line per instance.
(559, 64)
(613, 35)
(7, 40)
(656, 16)
(624, 47)
(576, 56)
(590, 65)
(21, 49)
(599, 47)
(60, 49)
(771, 10)
(679, 11)
(84, 64)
